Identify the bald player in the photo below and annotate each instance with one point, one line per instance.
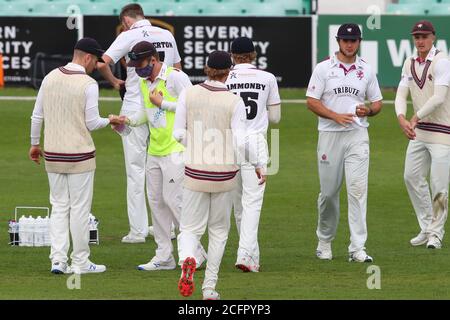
(259, 91)
(426, 76)
(336, 93)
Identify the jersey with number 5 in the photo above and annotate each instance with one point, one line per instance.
(258, 89)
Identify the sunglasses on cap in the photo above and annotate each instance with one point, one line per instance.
(137, 56)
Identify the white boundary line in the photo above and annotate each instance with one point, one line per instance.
(17, 98)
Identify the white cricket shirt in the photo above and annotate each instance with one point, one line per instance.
(258, 89)
(341, 89)
(142, 30)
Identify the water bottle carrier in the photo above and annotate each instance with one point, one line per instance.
(15, 239)
(45, 240)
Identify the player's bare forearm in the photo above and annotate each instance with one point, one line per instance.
(376, 107)
(106, 73)
(319, 109)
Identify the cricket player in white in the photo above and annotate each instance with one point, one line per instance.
(259, 90)
(336, 93)
(67, 103)
(160, 87)
(426, 76)
(135, 144)
(210, 175)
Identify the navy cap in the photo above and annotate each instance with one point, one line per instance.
(219, 60)
(139, 52)
(91, 46)
(242, 45)
(349, 31)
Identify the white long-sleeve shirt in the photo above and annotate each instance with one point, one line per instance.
(92, 117)
(244, 145)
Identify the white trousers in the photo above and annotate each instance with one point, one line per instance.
(135, 153)
(71, 199)
(247, 203)
(342, 153)
(201, 210)
(165, 177)
(423, 159)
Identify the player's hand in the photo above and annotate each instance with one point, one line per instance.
(261, 175)
(156, 97)
(363, 111)
(344, 119)
(118, 84)
(35, 153)
(117, 120)
(414, 120)
(407, 128)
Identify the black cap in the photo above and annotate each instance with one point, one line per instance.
(139, 52)
(349, 31)
(219, 60)
(423, 27)
(91, 46)
(242, 45)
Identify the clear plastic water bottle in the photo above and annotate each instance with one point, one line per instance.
(122, 129)
(39, 232)
(30, 231)
(13, 232)
(22, 231)
(46, 226)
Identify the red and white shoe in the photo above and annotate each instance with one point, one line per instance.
(247, 264)
(186, 283)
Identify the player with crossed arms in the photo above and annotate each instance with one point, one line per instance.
(259, 90)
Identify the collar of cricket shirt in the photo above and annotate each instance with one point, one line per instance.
(140, 23)
(75, 67)
(217, 84)
(433, 52)
(244, 66)
(335, 62)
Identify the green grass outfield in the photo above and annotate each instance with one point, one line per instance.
(290, 269)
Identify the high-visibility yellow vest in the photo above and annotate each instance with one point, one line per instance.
(162, 143)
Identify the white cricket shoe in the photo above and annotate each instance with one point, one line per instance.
(60, 268)
(89, 268)
(155, 264)
(434, 242)
(360, 256)
(202, 259)
(419, 240)
(323, 250)
(210, 294)
(173, 236)
(246, 263)
(132, 238)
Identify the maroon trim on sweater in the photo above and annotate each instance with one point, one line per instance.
(420, 82)
(208, 179)
(211, 88)
(68, 157)
(70, 72)
(433, 127)
(210, 175)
